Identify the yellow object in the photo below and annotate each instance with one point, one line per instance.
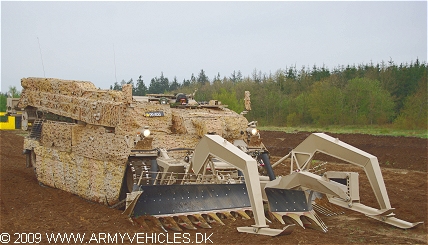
(10, 124)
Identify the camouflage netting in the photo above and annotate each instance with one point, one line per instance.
(88, 157)
(95, 180)
(95, 142)
(30, 143)
(223, 122)
(75, 99)
(57, 135)
(137, 118)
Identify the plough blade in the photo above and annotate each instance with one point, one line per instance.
(160, 200)
(283, 200)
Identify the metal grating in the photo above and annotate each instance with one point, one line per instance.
(36, 129)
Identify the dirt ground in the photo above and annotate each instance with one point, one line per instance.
(27, 207)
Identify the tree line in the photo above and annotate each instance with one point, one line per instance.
(13, 92)
(365, 94)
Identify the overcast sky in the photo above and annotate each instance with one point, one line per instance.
(107, 41)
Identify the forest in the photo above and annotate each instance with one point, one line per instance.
(384, 94)
(366, 94)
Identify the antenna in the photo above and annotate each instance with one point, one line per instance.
(41, 57)
(114, 61)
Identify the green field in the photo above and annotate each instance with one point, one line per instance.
(372, 130)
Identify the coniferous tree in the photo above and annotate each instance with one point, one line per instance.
(140, 88)
(202, 78)
(186, 83)
(117, 86)
(174, 85)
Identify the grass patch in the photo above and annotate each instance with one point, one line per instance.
(20, 132)
(372, 130)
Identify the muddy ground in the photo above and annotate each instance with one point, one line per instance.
(29, 212)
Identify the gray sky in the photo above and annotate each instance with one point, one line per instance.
(90, 40)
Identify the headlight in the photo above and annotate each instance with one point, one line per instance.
(254, 131)
(146, 132)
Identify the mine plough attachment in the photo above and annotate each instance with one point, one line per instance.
(204, 203)
(341, 188)
(289, 198)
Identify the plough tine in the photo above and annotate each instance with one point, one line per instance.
(228, 215)
(276, 216)
(170, 223)
(154, 220)
(311, 220)
(216, 218)
(186, 223)
(200, 221)
(243, 214)
(324, 226)
(141, 222)
(296, 218)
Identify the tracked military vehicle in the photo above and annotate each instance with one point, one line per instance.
(180, 163)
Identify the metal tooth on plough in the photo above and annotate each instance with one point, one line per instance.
(228, 215)
(293, 205)
(170, 223)
(142, 221)
(198, 220)
(243, 214)
(214, 217)
(185, 222)
(189, 221)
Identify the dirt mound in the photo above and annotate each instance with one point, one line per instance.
(27, 207)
